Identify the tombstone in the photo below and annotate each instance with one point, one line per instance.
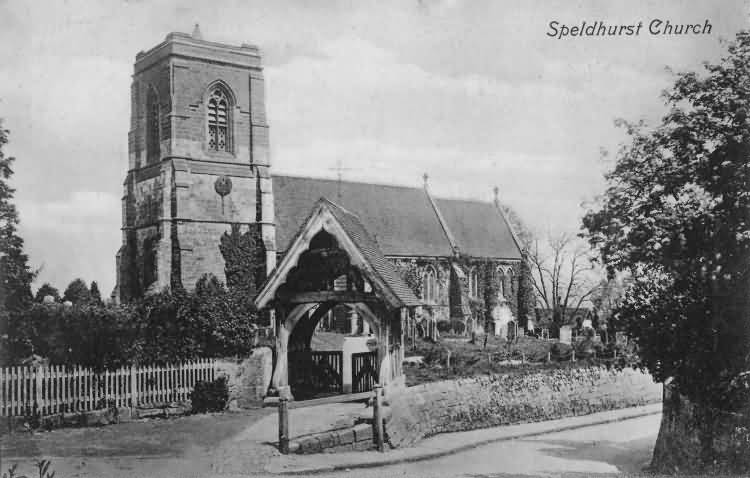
(512, 330)
(566, 334)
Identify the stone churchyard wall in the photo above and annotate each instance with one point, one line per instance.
(248, 378)
(479, 402)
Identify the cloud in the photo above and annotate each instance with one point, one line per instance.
(88, 208)
(74, 237)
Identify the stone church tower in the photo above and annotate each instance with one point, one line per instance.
(198, 162)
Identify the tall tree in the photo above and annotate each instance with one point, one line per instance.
(676, 216)
(77, 292)
(94, 293)
(15, 274)
(15, 286)
(47, 290)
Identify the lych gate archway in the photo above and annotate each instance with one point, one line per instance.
(333, 261)
(316, 373)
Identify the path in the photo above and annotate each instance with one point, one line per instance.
(614, 449)
(196, 445)
(238, 445)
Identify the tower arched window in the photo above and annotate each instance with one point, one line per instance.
(219, 121)
(473, 283)
(152, 126)
(429, 284)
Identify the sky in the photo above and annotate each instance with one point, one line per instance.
(474, 93)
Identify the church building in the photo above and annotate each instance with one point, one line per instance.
(200, 166)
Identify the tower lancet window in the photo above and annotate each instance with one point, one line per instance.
(218, 121)
(152, 126)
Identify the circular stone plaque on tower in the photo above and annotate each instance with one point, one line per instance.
(223, 185)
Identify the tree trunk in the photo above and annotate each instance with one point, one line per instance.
(696, 439)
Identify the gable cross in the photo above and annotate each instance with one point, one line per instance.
(340, 175)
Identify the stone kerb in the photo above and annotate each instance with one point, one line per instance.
(494, 400)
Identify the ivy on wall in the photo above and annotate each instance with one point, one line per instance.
(526, 294)
(244, 259)
(412, 275)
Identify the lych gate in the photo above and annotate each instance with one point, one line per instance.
(334, 261)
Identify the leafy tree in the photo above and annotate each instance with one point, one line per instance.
(608, 298)
(89, 335)
(96, 296)
(15, 274)
(77, 292)
(45, 290)
(676, 216)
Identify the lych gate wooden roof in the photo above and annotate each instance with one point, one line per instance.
(353, 238)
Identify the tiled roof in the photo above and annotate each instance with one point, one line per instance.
(373, 255)
(478, 229)
(401, 220)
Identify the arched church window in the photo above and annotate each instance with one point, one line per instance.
(429, 284)
(508, 285)
(473, 283)
(500, 281)
(219, 121)
(152, 126)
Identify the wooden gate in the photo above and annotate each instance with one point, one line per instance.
(365, 371)
(313, 373)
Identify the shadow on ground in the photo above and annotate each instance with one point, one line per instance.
(631, 456)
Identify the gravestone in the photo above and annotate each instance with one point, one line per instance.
(566, 334)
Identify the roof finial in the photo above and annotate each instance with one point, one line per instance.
(197, 32)
(496, 191)
(340, 176)
(425, 177)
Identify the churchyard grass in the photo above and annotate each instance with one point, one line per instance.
(456, 357)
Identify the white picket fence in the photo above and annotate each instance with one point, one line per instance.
(50, 390)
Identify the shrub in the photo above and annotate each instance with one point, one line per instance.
(87, 335)
(444, 326)
(210, 396)
(160, 328)
(585, 348)
(533, 349)
(560, 351)
(458, 326)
